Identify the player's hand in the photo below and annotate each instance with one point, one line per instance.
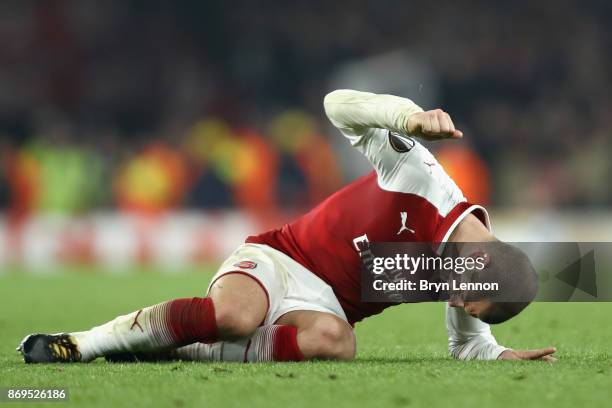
(544, 354)
(432, 125)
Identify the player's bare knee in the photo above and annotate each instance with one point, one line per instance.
(235, 322)
(240, 305)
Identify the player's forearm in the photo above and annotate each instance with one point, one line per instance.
(357, 111)
(470, 338)
(475, 349)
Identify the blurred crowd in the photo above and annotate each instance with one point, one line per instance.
(148, 106)
(207, 165)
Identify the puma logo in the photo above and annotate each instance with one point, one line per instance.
(136, 322)
(429, 166)
(404, 216)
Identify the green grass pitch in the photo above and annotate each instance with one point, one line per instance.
(402, 359)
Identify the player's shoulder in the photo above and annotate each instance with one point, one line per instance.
(400, 143)
(401, 155)
(413, 169)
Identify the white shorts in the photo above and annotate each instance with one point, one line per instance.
(288, 285)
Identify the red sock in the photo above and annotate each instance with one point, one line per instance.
(285, 345)
(192, 320)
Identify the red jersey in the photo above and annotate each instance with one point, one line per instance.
(408, 198)
(324, 239)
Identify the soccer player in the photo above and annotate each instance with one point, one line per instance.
(294, 293)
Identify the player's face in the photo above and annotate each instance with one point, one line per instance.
(474, 309)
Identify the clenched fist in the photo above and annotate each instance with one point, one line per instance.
(432, 125)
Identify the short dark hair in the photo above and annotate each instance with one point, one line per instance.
(518, 282)
(500, 312)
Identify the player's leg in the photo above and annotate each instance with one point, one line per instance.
(235, 307)
(305, 322)
(322, 335)
(297, 335)
(241, 304)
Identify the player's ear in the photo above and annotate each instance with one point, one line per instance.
(483, 256)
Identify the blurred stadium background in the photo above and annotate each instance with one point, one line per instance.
(143, 132)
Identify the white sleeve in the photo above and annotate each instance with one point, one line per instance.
(375, 125)
(470, 338)
(354, 113)
(367, 121)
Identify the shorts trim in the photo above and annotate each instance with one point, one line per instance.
(307, 308)
(252, 277)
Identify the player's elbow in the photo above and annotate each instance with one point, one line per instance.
(328, 103)
(332, 101)
(335, 96)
